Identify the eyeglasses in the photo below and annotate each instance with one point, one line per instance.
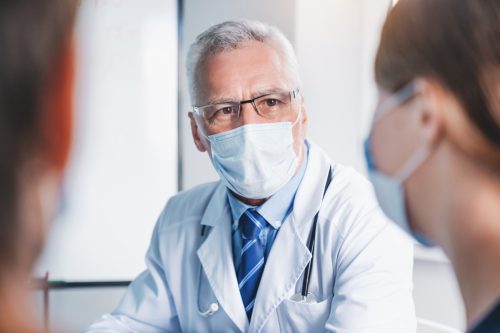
(223, 116)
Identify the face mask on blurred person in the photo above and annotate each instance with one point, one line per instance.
(255, 160)
(390, 189)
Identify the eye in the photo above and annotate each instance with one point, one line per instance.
(226, 110)
(271, 102)
(223, 112)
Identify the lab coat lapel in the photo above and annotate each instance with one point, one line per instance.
(285, 264)
(216, 257)
(310, 192)
(289, 255)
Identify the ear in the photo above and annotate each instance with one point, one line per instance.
(196, 136)
(431, 103)
(305, 118)
(57, 109)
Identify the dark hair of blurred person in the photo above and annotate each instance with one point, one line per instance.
(446, 133)
(36, 81)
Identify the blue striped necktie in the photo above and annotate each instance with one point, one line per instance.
(252, 258)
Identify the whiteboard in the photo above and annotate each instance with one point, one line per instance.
(123, 166)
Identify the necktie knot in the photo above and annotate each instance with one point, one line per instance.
(251, 224)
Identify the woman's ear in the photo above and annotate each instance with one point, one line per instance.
(57, 109)
(431, 102)
(196, 136)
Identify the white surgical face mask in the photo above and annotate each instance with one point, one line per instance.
(255, 160)
(390, 190)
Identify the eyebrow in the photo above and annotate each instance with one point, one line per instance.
(255, 94)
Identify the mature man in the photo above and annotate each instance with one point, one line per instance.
(286, 240)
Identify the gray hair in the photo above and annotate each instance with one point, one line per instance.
(230, 35)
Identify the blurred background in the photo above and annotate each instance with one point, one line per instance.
(133, 146)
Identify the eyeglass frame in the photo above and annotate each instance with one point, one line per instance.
(293, 94)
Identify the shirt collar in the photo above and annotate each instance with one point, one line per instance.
(278, 206)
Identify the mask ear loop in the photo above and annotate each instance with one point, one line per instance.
(297, 120)
(299, 116)
(201, 131)
(413, 163)
(204, 138)
(389, 104)
(399, 97)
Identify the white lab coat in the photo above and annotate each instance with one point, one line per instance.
(361, 277)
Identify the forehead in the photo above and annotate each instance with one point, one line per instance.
(239, 73)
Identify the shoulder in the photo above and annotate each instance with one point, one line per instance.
(178, 229)
(364, 236)
(186, 206)
(353, 210)
(348, 186)
(351, 189)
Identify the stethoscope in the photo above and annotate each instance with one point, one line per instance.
(304, 295)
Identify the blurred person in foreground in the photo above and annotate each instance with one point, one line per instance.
(36, 80)
(434, 149)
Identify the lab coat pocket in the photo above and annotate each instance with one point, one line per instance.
(304, 317)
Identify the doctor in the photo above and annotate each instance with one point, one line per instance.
(285, 241)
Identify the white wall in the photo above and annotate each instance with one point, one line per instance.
(123, 164)
(329, 44)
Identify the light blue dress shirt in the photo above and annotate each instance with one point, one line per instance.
(275, 210)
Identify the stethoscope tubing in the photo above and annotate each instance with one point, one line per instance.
(312, 243)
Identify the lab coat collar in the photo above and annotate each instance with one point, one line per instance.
(216, 206)
(216, 257)
(311, 190)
